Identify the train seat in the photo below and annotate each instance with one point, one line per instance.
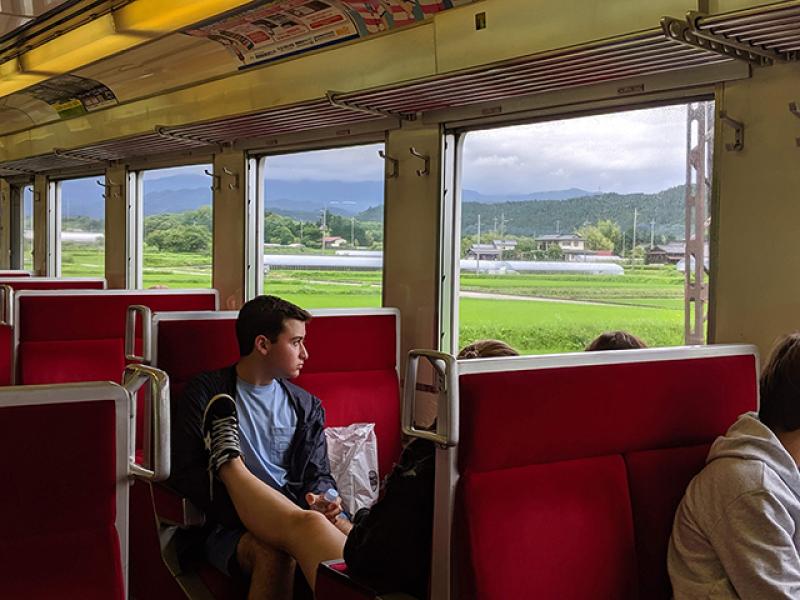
(78, 335)
(352, 367)
(6, 354)
(14, 273)
(64, 502)
(571, 467)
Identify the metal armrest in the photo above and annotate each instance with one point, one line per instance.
(174, 509)
(334, 583)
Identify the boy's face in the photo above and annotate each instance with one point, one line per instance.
(284, 358)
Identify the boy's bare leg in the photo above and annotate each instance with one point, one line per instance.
(271, 571)
(274, 520)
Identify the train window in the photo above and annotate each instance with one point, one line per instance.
(27, 228)
(323, 227)
(82, 227)
(176, 232)
(577, 226)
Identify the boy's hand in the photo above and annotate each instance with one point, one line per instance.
(330, 509)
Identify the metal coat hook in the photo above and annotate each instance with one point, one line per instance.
(738, 129)
(424, 157)
(215, 180)
(235, 184)
(393, 161)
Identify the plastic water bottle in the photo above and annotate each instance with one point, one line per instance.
(330, 495)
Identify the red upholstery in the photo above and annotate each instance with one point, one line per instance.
(6, 352)
(571, 475)
(58, 502)
(46, 283)
(81, 337)
(333, 583)
(12, 273)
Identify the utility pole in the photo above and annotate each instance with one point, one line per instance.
(324, 226)
(652, 233)
(624, 235)
(478, 251)
(633, 244)
(558, 227)
(353, 232)
(301, 232)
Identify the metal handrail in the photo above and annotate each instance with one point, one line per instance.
(130, 334)
(6, 305)
(133, 379)
(445, 366)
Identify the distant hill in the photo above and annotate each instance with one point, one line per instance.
(473, 196)
(540, 217)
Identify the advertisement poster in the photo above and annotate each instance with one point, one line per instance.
(288, 27)
(73, 96)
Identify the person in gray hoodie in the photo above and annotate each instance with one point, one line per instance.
(736, 532)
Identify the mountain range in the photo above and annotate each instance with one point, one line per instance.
(301, 200)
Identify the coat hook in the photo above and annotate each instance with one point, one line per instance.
(424, 157)
(215, 179)
(393, 161)
(738, 128)
(235, 184)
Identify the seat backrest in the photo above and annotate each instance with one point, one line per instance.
(64, 452)
(14, 273)
(16, 284)
(571, 467)
(352, 364)
(78, 335)
(6, 354)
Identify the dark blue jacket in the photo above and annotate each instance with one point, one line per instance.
(308, 469)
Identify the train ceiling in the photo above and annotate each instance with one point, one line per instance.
(759, 36)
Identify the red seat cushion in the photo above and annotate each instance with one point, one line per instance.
(58, 502)
(561, 530)
(70, 360)
(658, 479)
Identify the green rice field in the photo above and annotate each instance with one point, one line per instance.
(550, 312)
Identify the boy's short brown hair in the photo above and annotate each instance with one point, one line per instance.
(780, 386)
(264, 315)
(615, 340)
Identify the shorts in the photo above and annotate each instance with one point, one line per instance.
(220, 549)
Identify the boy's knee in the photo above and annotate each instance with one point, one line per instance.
(255, 555)
(311, 519)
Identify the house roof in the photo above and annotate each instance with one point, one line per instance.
(559, 237)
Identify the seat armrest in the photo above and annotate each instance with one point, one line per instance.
(174, 509)
(334, 583)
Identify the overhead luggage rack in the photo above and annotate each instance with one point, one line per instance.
(762, 35)
(645, 53)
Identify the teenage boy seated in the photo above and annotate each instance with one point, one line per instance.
(736, 531)
(280, 431)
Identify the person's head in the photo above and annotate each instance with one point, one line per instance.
(273, 329)
(780, 386)
(487, 349)
(615, 340)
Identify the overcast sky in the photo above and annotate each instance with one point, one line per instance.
(634, 151)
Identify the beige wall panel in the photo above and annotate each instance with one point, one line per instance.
(229, 227)
(756, 295)
(5, 224)
(116, 204)
(382, 60)
(520, 27)
(411, 248)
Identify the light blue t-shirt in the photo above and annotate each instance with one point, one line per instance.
(267, 422)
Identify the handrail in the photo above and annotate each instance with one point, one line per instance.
(130, 334)
(6, 305)
(133, 379)
(445, 366)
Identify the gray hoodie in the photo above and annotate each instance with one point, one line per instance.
(736, 531)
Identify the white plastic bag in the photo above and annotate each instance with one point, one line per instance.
(353, 454)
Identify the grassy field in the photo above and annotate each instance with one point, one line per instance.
(646, 301)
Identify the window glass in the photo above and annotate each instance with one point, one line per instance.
(177, 227)
(323, 227)
(573, 227)
(82, 228)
